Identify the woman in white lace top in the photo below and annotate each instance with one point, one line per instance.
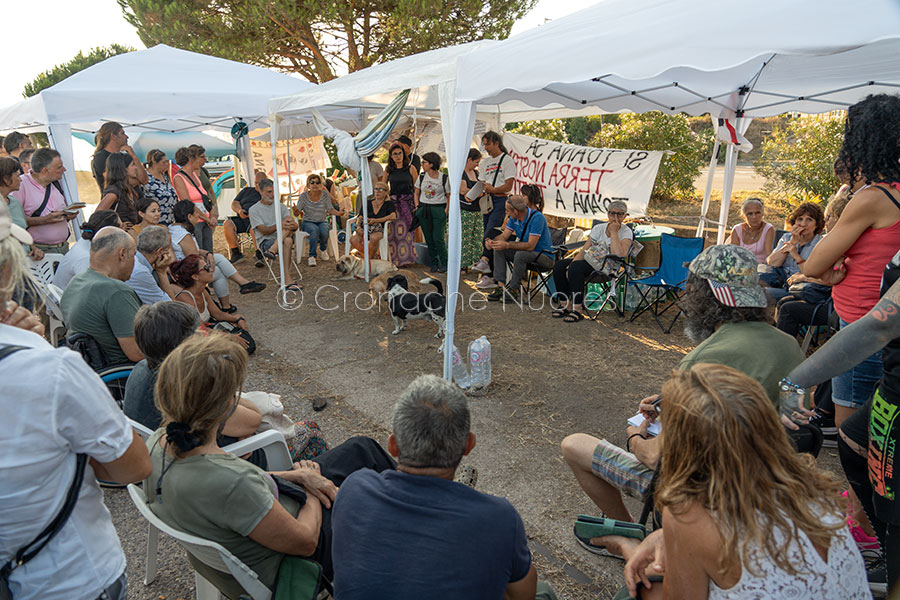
(744, 515)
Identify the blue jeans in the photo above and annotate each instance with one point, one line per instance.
(774, 279)
(853, 388)
(318, 236)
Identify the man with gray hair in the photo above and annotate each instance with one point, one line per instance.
(41, 196)
(100, 304)
(415, 532)
(151, 261)
(533, 245)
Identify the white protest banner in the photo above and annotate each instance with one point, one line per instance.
(306, 155)
(580, 182)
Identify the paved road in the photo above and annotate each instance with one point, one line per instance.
(745, 179)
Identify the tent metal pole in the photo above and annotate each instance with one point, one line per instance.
(730, 165)
(713, 163)
(273, 135)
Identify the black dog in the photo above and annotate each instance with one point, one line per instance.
(405, 305)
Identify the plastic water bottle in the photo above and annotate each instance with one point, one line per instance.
(480, 363)
(460, 371)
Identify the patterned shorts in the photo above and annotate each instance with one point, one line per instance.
(622, 469)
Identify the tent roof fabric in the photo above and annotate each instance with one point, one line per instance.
(695, 56)
(157, 89)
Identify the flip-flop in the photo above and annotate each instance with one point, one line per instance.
(587, 527)
(293, 287)
(559, 313)
(573, 317)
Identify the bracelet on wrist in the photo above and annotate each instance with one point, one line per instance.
(788, 385)
(633, 435)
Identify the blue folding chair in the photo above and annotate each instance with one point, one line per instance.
(655, 290)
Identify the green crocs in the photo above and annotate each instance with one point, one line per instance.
(588, 527)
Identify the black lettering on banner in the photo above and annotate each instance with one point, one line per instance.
(594, 155)
(560, 203)
(609, 154)
(578, 154)
(635, 163)
(554, 154)
(535, 146)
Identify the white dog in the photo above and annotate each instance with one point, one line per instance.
(353, 267)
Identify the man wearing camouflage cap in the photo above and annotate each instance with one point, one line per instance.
(725, 314)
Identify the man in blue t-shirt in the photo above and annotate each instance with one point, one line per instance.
(415, 533)
(533, 246)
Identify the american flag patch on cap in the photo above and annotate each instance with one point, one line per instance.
(722, 293)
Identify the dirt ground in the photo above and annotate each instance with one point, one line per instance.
(549, 379)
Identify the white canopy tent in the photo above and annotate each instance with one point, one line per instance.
(735, 60)
(160, 89)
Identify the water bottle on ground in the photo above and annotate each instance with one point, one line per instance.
(480, 363)
(460, 371)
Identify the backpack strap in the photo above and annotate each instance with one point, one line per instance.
(497, 172)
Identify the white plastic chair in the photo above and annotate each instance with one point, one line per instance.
(207, 552)
(278, 458)
(44, 269)
(51, 296)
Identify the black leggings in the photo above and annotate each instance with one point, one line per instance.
(793, 312)
(856, 470)
(337, 464)
(569, 276)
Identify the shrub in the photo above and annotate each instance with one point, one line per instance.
(547, 129)
(658, 131)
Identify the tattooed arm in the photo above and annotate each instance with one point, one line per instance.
(851, 345)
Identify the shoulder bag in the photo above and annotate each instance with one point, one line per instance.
(207, 204)
(486, 202)
(47, 191)
(31, 549)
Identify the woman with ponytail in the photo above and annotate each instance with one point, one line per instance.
(200, 489)
(78, 258)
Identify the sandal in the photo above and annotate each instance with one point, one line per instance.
(559, 313)
(573, 317)
(293, 287)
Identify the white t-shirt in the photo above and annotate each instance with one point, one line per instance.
(55, 406)
(76, 261)
(178, 233)
(488, 167)
(433, 190)
(599, 237)
(264, 214)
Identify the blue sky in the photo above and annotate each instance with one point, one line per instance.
(67, 27)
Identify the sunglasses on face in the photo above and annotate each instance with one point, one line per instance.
(206, 267)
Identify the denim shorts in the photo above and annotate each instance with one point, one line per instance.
(853, 388)
(266, 244)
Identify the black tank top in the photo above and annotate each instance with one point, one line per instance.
(401, 182)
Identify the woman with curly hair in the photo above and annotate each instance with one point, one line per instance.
(744, 515)
(853, 256)
(123, 191)
(807, 222)
(401, 175)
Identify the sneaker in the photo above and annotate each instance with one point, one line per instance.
(482, 266)
(511, 295)
(486, 283)
(236, 256)
(876, 573)
(825, 423)
(496, 294)
(259, 260)
(312, 261)
(324, 254)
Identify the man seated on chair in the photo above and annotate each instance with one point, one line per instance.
(725, 313)
(263, 222)
(534, 246)
(240, 223)
(149, 278)
(100, 304)
(415, 531)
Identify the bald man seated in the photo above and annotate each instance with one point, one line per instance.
(100, 304)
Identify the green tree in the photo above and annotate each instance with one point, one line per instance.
(658, 131)
(547, 129)
(798, 157)
(319, 39)
(79, 62)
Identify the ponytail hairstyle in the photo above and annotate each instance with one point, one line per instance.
(196, 389)
(99, 219)
(154, 156)
(493, 136)
(103, 135)
(180, 213)
(534, 196)
(183, 271)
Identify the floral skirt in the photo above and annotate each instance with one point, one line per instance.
(307, 441)
(401, 240)
(472, 236)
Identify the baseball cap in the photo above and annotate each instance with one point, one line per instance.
(8, 228)
(731, 274)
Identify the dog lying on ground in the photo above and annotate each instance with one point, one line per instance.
(407, 305)
(353, 267)
(378, 286)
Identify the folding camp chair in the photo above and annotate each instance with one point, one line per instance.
(533, 270)
(272, 264)
(614, 275)
(660, 291)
